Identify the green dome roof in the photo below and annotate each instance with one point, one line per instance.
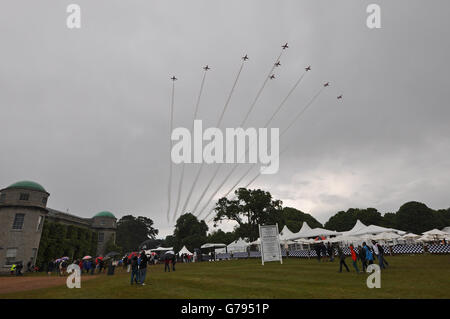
(28, 185)
(105, 214)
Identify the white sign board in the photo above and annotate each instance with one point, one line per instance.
(270, 243)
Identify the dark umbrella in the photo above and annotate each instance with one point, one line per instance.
(112, 254)
(169, 254)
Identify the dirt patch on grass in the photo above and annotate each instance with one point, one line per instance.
(25, 283)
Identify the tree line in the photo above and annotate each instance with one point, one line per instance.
(252, 207)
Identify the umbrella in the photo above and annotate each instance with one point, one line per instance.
(132, 254)
(411, 235)
(435, 232)
(386, 236)
(170, 252)
(112, 254)
(64, 258)
(86, 257)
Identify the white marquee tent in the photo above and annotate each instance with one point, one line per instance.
(435, 232)
(239, 245)
(373, 230)
(184, 250)
(307, 231)
(358, 227)
(286, 234)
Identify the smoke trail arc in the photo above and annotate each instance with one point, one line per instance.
(244, 120)
(225, 107)
(169, 189)
(180, 185)
(311, 101)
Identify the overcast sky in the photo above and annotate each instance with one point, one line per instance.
(85, 112)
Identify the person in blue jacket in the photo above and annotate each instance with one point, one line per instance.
(369, 254)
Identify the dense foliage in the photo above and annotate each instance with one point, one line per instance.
(189, 232)
(132, 231)
(250, 209)
(411, 217)
(58, 240)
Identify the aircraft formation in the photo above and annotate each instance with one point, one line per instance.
(209, 201)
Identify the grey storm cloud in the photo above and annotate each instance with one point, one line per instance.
(85, 112)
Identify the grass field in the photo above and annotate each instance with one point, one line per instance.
(422, 276)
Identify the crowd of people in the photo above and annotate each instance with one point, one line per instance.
(364, 254)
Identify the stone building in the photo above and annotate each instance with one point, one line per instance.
(23, 209)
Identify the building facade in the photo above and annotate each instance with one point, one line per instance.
(23, 210)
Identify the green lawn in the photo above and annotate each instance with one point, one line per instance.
(422, 276)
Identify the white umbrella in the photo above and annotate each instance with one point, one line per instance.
(425, 238)
(410, 236)
(386, 236)
(435, 232)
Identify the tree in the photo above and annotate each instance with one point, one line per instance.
(442, 217)
(416, 217)
(390, 220)
(59, 240)
(250, 209)
(344, 221)
(132, 231)
(151, 243)
(294, 218)
(189, 232)
(221, 237)
(111, 246)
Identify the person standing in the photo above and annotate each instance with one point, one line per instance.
(330, 250)
(354, 258)
(13, 269)
(50, 267)
(324, 252)
(134, 270)
(92, 266)
(174, 261)
(143, 268)
(317, 250)
(166, 264)
(342, 259)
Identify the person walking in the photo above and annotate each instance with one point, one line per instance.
(362, 257)
(377, 254)
(143, 268)
(369, 255)
(381, 255)
(134, 270)
(354, 258)
(342, 259)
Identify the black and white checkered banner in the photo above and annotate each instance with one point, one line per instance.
(439, 249)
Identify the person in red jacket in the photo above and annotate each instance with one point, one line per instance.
(354, 258)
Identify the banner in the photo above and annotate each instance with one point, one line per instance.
(270, 243)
